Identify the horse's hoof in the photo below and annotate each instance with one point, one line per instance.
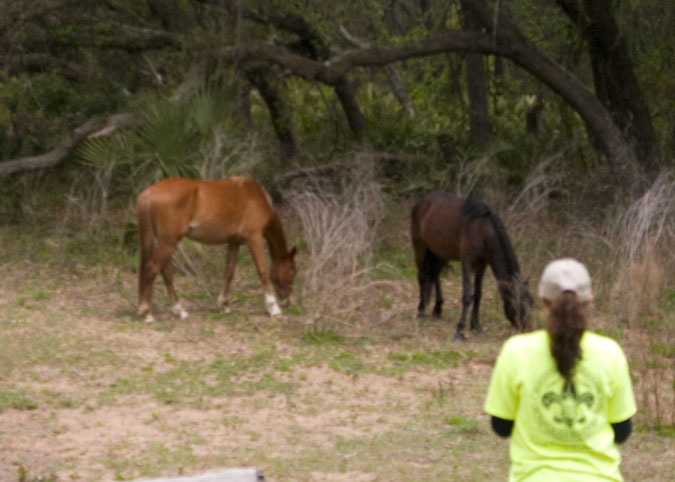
(272, 305)
(273, 309)
(148, 318)
(459, 337)
(179, 311)
(479, 332)
(226, 310)
(421, 315)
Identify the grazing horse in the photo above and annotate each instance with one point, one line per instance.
(232, 211)
(447, 228)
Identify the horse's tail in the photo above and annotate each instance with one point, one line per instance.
(475, 209)
(416, 224)
(146, 234)
(415, 221)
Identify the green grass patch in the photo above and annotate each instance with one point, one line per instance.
(394, 263)
(668, 300)
(186, 383)
(402, 362)
(346, 362)
(68, 352)
(23, 475)
(16, 399)
(465, 425)
(665, 430)
(667, 351)
(155, 457)
(323, 337)
(612, 332)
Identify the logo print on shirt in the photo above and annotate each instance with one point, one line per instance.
(567, 402)
(568, 412)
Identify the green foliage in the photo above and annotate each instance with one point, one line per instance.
(193, 136)
(36, 110)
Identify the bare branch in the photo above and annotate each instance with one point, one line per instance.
(392, 76)
(90, 128)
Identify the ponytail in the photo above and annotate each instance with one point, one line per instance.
(566, 325)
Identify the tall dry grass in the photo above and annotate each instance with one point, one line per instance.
(630, 254)
(644, 261)
(339, 219)
(644, 235)
(87, 200)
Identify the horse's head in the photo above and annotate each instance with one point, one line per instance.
(519, 304)
(283, 274)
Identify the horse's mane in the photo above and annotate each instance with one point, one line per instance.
(473, 209)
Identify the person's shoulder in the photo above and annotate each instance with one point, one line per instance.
(524, 341)
(602, 343)
(601, 340)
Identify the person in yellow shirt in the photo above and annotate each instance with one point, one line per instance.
(562, 394)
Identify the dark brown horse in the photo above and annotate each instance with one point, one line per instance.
(232, 211)
(447, 228)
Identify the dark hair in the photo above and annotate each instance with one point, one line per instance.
(566, 324)
(473, 209)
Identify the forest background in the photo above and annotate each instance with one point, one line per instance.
(558, 113)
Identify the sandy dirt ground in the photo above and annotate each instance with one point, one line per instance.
(76, 434)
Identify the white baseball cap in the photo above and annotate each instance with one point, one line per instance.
(565, 274)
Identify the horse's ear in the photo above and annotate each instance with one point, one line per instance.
(291, 253)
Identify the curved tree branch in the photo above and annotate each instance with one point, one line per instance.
(90, 128)
(397, 87)
(506, 42)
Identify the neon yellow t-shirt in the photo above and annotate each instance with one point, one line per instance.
(562, 432)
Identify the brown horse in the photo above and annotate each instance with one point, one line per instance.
(233, 211)
(447, 228)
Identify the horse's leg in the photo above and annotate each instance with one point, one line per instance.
(146, 277)
(151, 269)
(255, 245)
(231, 259)
(144, 289)
(177, 307)
(467, 298)
(147, 251)
(438, 306)
(477, 292)
(425, 292)
(424, 279)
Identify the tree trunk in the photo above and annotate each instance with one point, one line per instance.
(614, 77)
(350, 106)
(280, 115)
(516, 47)
(476, 83)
